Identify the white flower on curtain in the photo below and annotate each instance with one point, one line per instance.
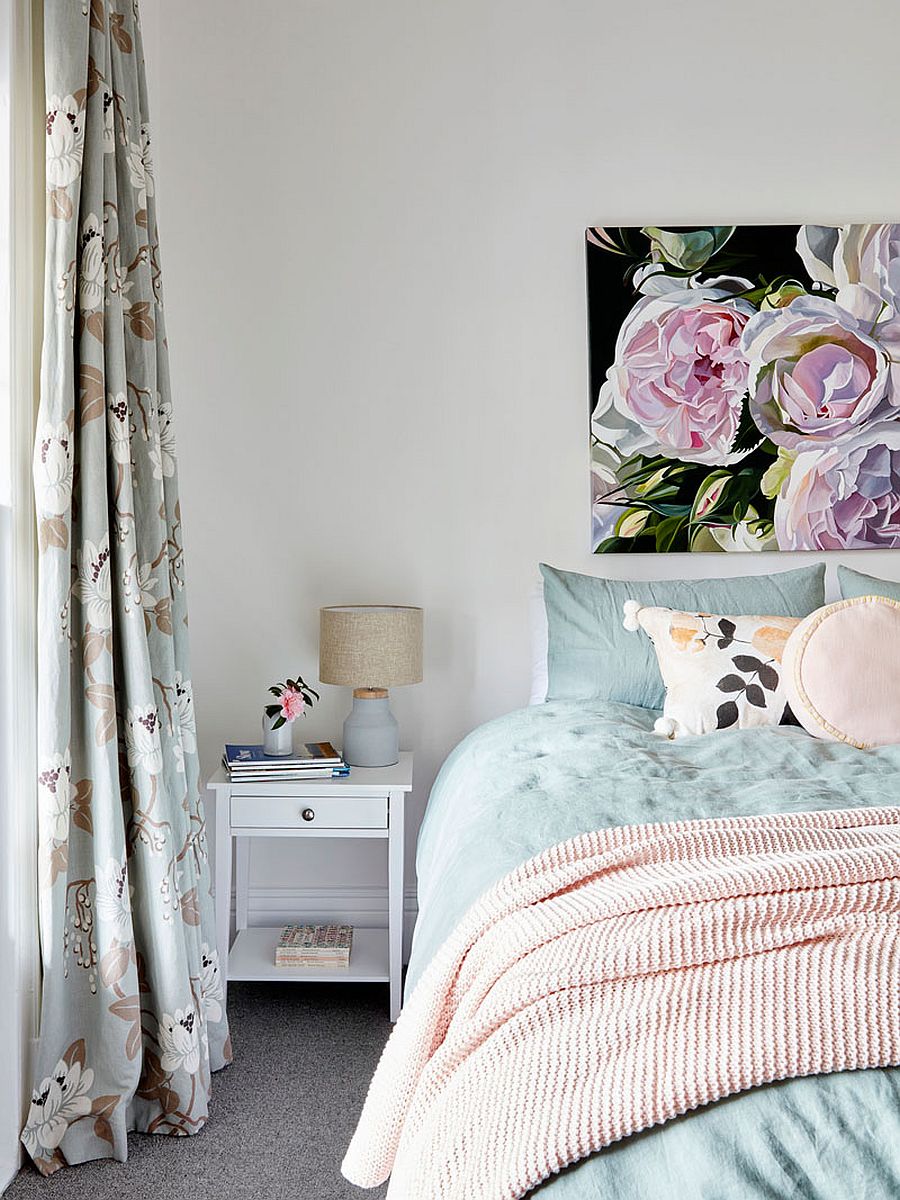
(140, 584)
(54, 470)
(162, 453)
(55, 1104)
(212, 991)
(119, 421)
(114, 897)
(55, 778)
(179, 1041)
(92, 271)
(93, 584)
(140, 167)
(142, 739)
(65, 141)
(184, 712)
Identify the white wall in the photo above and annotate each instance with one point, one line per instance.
(372, 225)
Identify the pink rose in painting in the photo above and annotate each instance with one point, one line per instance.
(680, 373)
(814, 372)
(292, 704)
(845, 496)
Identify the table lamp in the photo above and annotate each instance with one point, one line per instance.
(370, 647)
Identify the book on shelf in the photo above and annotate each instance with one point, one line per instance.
(314, 946)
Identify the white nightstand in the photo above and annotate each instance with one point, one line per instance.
(368, 803)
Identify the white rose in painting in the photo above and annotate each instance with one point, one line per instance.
(59, 1100)
(92, 269)
(53, 470)
(65, 141)
(614, 429)
(93, 586)
(863, 263)
(114, 898)
(118, 419)
(212, 991)
(843, 497)
(179, 1041)
(815, 373)
(142, 742)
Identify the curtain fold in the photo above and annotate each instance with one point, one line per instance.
(133, 1012)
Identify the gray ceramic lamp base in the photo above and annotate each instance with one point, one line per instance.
(371, 733)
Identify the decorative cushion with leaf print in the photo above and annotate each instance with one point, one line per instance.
(719, 672)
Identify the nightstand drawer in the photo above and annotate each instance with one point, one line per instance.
(318, 812)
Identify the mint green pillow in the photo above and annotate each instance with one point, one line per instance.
(591, 656)
(854, 583)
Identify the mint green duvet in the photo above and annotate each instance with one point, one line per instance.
(543, 774)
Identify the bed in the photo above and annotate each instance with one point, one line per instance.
(544, 774)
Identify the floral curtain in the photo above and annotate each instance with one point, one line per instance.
(133, 1018)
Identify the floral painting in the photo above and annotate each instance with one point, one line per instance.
(745, 387)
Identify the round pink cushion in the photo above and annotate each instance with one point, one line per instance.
(841, 671)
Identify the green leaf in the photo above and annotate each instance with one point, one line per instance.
(748, 433)
(688, 251)
(777, 475)
(667, 531)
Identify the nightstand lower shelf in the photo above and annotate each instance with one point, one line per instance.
(252, 957)
(368, 803)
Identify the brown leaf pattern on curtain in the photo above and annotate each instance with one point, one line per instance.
(133, 1015)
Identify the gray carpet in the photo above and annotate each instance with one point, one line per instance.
(283, 1111)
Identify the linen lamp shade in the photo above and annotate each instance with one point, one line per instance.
(370, 645)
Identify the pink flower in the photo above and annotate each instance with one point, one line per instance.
(680, 373)
(292, 704)
(814, 372)
(845, 496)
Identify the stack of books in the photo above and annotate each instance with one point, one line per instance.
(314, 946)
(249, 764)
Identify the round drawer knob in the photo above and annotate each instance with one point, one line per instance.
(308, 814)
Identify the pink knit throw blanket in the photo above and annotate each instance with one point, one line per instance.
(627, 976)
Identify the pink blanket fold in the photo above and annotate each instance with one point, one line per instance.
(627, 976)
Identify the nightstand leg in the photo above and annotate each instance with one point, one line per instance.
(395, 898)
(242, 881)
(223, 879)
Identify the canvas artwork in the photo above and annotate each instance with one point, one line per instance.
(745, 387)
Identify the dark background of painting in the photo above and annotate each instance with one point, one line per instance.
(765, 250)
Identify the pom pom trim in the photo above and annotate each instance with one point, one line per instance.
(631, 608)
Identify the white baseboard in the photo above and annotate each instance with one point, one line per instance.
(365, 907)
